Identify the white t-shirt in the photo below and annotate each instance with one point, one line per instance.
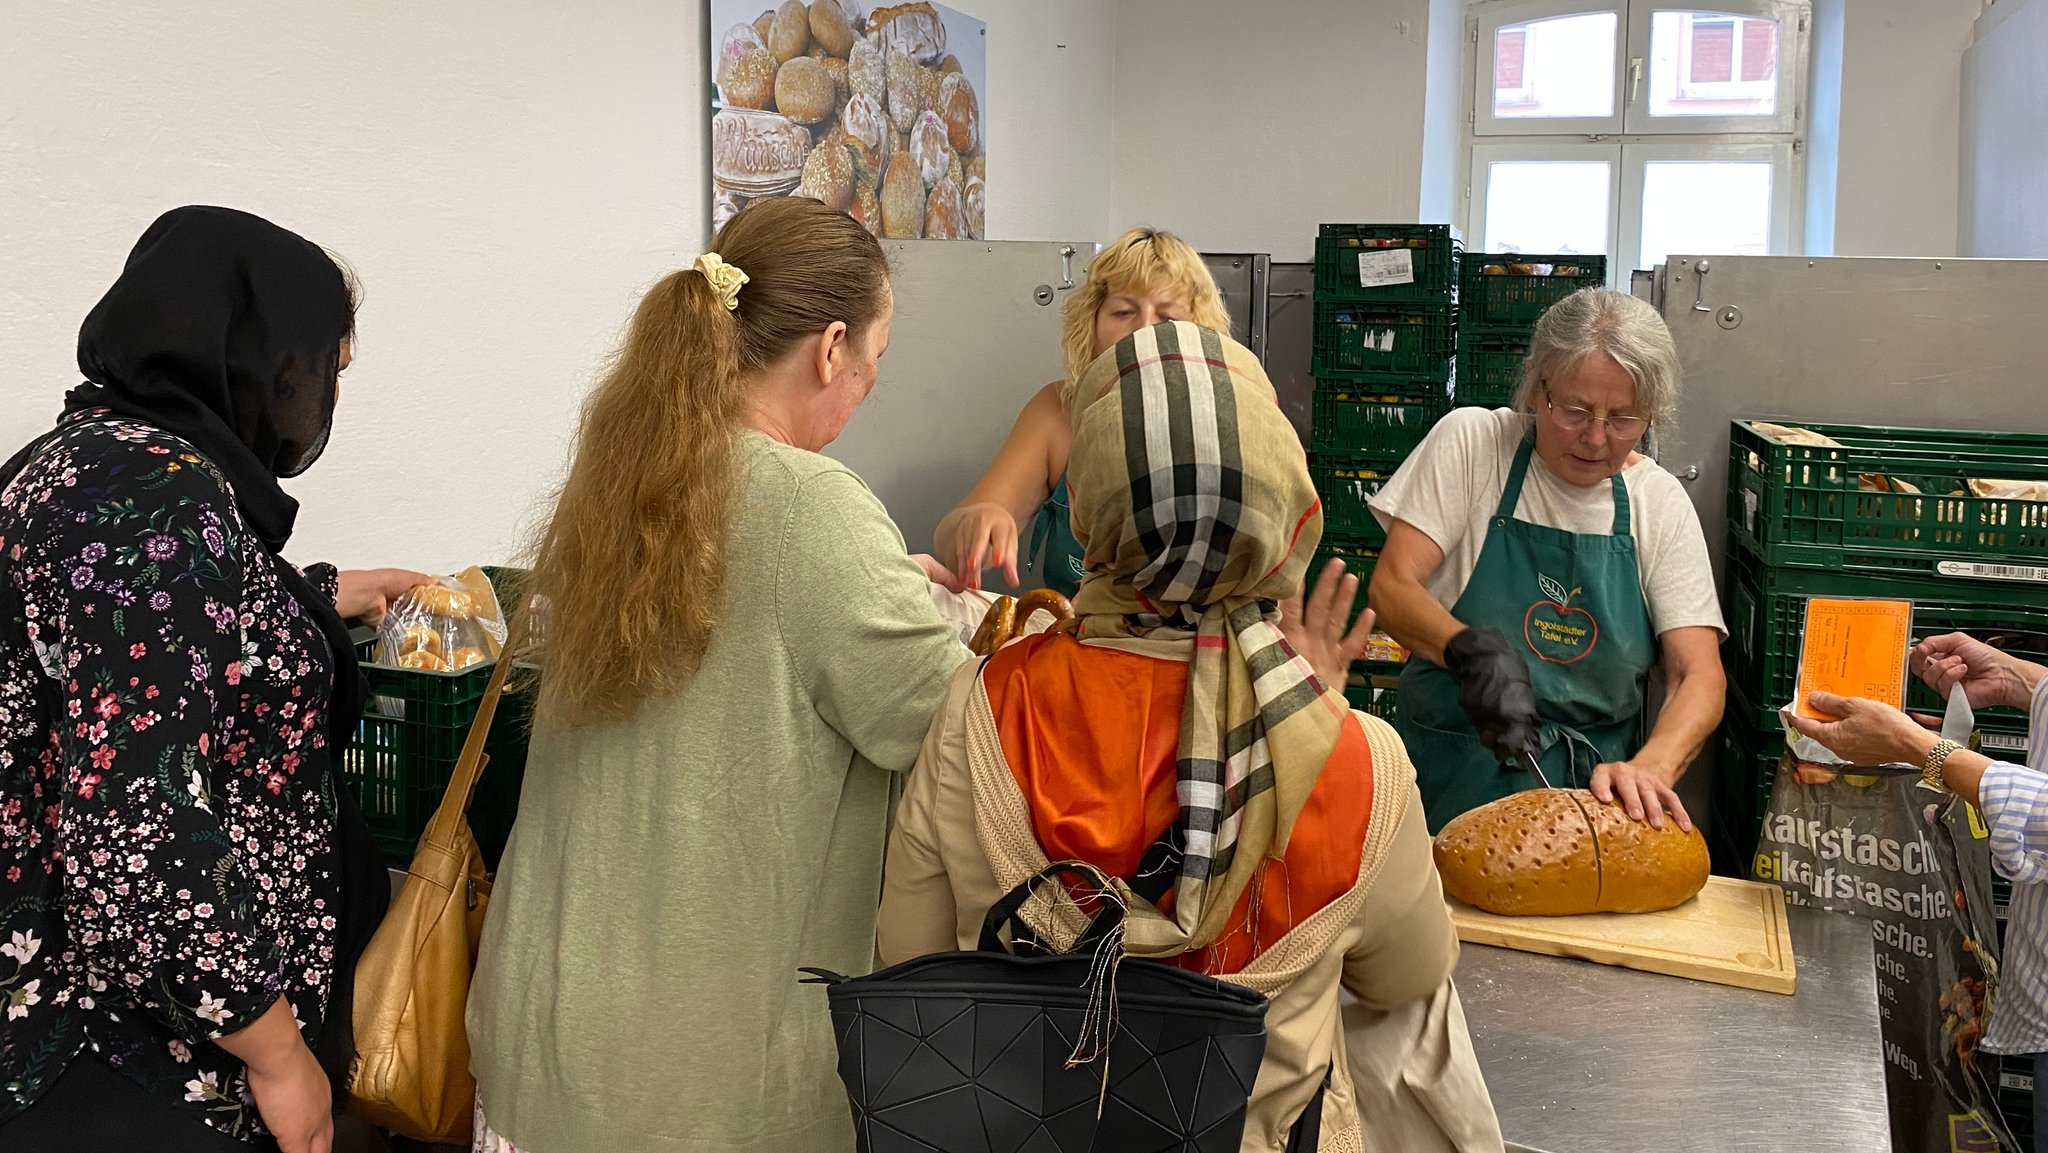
(1451, 485)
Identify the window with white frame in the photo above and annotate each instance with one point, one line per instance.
(1635, 129)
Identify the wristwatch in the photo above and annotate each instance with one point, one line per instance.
(1937, 757)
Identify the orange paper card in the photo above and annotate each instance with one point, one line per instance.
(1854, 648)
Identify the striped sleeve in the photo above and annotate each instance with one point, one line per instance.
(2014, 801)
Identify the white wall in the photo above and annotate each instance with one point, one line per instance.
(1244, 125)
(1823, 124)
(1445, 99)
(506, 178)
(1901, 107)
(2005, 134)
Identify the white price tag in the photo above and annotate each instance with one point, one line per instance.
(1382, 267)
(1997, 572)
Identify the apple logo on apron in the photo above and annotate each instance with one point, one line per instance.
(1557, 631)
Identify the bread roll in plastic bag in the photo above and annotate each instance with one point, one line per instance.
(449, 626)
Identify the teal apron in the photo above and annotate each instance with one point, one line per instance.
(1053, 547)
(1572, 605)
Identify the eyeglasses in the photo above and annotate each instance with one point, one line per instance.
(1572, 418)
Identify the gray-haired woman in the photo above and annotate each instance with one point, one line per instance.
(1537, 566)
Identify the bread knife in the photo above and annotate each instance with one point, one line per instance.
(1535, 770)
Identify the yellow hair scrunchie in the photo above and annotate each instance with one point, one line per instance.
(724, 278)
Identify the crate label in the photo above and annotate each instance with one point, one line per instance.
(1378, 340)
(2010, 1080)
(2002, 742)
(1997, 572)
(1749, 503)
(1382, 268)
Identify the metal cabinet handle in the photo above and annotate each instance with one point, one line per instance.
(1635, 78)
(1066, 266)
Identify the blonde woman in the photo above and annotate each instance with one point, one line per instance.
(1146, 277)
(740, 654)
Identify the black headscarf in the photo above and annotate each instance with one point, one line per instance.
(225, 330)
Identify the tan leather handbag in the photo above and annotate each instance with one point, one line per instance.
(411, 1071)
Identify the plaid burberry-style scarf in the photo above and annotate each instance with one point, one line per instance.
(1193, 504)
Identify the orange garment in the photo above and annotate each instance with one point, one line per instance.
(1090, 734)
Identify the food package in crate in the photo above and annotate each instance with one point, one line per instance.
(1384, 648)
(2009, 489)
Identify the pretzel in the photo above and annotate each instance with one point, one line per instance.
(1008, 616)
(996, 627)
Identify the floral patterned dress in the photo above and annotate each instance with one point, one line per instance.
(167, 862)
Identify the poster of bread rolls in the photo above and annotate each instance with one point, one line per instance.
(876, 109)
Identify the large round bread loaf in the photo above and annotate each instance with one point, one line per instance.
(1557, 852)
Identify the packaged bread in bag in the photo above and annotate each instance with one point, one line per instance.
(449, 626)
(445, 627)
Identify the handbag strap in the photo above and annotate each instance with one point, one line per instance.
(469, 765)
(1157, 872)
(1004, 911)
(1307, 1134)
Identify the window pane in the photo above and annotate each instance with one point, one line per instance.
(1547, 206)
(1712, 64)
(1713, 52)
(1508, 50)
(1705, 208)
(1559, 67)
(1759, 50)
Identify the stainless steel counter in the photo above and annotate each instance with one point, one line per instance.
(1586, 1058)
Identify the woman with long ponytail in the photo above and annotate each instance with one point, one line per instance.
(739, 653)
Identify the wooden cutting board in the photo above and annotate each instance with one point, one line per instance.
(1732, 933)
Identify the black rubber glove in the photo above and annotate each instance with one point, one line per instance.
(1494, 691)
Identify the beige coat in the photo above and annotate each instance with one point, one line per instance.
(962, 838)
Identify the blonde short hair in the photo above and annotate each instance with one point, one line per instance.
(1601, 320)
(1141, 260)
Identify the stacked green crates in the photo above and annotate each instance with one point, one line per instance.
(1888, 513)
(1385, 331)
(2016, 1096)
(1501, 295)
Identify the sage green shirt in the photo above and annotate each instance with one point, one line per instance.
(637, 988)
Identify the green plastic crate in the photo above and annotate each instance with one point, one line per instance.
(1510, 303)
(1803, 506)
(1368, 695)
(1358, 554)
(2015, 1089)
(1767, 623)
(2003, 743)
(1346, 486)
(1415, 343)
(1383, 426)
(1489, 372)
(1426, 253)
(404, 752)
(1743, 778)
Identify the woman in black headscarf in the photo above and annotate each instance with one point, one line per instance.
(184, 884)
